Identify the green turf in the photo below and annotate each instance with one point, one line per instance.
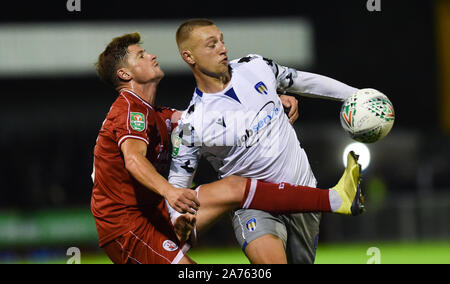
(390, 253)
(425, 252)
(218, 256)
(405, 253)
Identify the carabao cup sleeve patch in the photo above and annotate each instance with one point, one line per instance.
(137, 121)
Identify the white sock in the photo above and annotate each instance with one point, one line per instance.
(335, 200)
(194, 232)
(251, 193)
(173, 214)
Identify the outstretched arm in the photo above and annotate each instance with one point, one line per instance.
(319, 86)
(309, 84)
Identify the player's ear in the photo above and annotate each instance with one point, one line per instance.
(123, 74)
(188, 57)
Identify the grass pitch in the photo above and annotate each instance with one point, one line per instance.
(361, 253)
(388, 253)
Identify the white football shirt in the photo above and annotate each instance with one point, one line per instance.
(243, 129)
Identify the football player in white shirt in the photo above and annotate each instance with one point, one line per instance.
(236, 120)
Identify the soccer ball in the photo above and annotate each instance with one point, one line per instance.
(367, 115)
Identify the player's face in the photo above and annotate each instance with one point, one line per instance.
(143, 65)
(209, 51)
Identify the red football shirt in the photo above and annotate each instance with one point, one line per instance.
(119, 203)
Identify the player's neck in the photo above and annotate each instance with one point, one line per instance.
(147, 92)
(212, 84)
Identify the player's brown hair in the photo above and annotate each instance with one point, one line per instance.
(113, 58)
(185, 29)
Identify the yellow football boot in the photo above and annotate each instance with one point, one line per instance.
(348, 188)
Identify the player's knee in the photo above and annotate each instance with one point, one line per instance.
(267, 249)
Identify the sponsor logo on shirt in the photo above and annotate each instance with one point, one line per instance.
(176, 143)
(263, 118)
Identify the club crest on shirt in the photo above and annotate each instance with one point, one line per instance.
(170, 245)
(169, 125)
(251, 224)
(137, 121)
(261, 88)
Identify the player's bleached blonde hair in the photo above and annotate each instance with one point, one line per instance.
(113, 58)
(185, 29)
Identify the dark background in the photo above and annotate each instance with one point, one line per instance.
(48, 125)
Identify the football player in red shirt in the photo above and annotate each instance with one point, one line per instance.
(131, 156)
(131, 163)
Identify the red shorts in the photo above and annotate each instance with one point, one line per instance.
(147, 244)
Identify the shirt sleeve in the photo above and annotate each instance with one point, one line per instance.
(185, 155)
(309, 84)
(130, 121)
(319, 86)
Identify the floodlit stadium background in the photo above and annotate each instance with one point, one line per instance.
(52, 106)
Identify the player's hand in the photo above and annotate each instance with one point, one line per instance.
(183, 200)
(290, 105)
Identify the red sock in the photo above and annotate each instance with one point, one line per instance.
(284, 197)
